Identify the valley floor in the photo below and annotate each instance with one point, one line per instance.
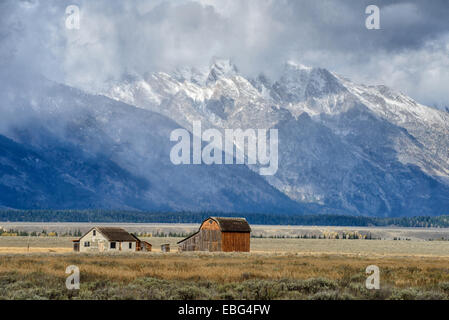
(275, 269)
(361, 248)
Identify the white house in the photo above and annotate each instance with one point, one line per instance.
(107, 239)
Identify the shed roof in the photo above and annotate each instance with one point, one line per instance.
(232, 224)
(116, 234)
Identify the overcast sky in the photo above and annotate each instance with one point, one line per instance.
(409, 53)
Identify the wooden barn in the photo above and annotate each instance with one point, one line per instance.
(219, 234)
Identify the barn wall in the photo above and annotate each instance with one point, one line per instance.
(204, 240)
(235, 241)
(190, 244)
(211, 238)
(210, 224)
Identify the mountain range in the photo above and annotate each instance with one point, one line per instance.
(344, 148)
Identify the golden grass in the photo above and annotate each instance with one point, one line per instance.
(402, 263)
(223, 268)
(15, 250)
(368, 248)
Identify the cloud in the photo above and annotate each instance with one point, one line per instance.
(409, 53)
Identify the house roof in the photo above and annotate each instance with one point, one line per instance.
(232, 224)
(135, 237)
(116, 234)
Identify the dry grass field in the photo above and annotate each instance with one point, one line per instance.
(275, 269)
(368, 248)
(364, 248)
(221, 276)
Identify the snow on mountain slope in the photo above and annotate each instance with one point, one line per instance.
(221, 98)
(353, 173)
(389, 154)
(428, 125)
(97, 152)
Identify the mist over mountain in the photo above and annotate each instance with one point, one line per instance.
(343, 147)
(64, 148)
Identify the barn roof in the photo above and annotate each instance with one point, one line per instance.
(232, 224)
(116, 234)
(193, 234)
(226, 225)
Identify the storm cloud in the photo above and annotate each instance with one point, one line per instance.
(409, 53)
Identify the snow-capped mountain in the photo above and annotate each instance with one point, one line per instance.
(63, 148)
(343, 147)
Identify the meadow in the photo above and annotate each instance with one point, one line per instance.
(369, 248)
(221, 276)
(275, 269)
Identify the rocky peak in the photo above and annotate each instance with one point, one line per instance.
(221, 68)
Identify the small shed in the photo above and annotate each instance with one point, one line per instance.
(142, 245)
(219, 234)
(76, 245)
(165, 247)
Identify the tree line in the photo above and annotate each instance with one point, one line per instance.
(118, 216)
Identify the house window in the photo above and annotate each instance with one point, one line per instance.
(87, 244)
(94, 233)
(112, 245)
(130, 245)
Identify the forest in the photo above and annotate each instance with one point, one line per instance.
(111, 216)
